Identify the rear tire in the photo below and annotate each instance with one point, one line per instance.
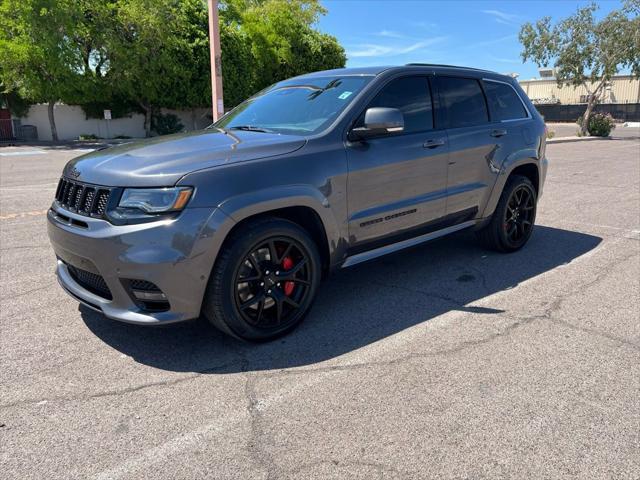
(264, 280)
(513, 220)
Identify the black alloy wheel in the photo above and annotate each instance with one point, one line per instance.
(514, 218)
(272, 283)
(264, 280)
(519, 215)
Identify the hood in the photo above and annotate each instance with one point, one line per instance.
(163, 161)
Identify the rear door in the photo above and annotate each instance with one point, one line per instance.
(397, 182)
(475, 145)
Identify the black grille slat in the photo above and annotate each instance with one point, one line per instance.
(87, 203)
(90, 281)
(70, 195)
(78, 195)
(60, 188)
(65, 193)
(101, 202)
(84, 199)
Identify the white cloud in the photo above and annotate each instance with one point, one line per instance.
(421, 24)
(505, 60)
(369, 50)
(390, 34)
(378, 50)
(493, 41)
(503, 17)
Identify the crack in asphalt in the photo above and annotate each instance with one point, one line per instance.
(22, 294)
(257, 436)
(380, 468)
(123, 391)
(24, 247)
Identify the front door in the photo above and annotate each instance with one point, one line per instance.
(397, 183)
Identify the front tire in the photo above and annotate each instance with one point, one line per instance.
(512, 222)
(264, 280)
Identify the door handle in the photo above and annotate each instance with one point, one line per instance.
(434, 143)
(498, 133)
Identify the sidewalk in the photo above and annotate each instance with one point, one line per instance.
(567, 132)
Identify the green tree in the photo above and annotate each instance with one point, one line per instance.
(40, 60)
(145, 55)
(283, 37)
(141, 55)
(585, 51)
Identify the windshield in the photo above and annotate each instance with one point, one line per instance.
(297, 107)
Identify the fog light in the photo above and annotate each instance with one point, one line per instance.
(149, 296)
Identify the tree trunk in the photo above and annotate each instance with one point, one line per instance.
(584, 129)
(52, 121)
(147, 121)
(194, 124)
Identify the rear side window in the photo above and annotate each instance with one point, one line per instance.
(411, 95)
(504, 101)
(462, 102)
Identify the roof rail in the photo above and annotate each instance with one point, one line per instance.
(443, 65)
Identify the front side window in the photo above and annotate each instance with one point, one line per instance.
(412, 97)
(462, 102)
(295, 107)
(504, 101)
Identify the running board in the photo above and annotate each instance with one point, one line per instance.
(394, 247)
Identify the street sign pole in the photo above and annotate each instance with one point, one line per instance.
(107, 119)
(216, 62)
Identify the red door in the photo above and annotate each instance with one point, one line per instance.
(6, 131)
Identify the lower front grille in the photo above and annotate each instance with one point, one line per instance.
(90, 281)
(147, 295)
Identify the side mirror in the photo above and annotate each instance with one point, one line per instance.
(379, 121)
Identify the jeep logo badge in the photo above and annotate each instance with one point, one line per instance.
(74, 172)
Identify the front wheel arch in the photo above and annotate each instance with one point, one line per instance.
(303, 216)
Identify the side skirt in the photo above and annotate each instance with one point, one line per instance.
(410, 242)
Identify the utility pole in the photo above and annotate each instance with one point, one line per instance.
(216, 61)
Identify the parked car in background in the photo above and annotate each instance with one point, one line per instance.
(241, 221)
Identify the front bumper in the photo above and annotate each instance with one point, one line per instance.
(176, 255)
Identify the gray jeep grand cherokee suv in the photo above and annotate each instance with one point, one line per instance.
(241, 221)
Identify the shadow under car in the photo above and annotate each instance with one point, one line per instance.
(357, 307)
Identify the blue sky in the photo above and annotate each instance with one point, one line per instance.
(482, 34)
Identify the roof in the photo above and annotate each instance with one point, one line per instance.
(373, 71)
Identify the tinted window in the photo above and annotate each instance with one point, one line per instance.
(412, 97)
(298, 106)
(503, 101)
(462, 102)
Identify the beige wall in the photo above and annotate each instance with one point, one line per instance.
(72, 122)
(624, 89)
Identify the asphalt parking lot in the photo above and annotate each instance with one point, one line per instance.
(445, 361)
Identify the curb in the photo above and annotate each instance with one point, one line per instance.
(575, 139)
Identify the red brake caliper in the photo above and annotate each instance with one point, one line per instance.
(287, 264)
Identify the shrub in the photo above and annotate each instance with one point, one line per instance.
(166, 124)
(88, 136)
(600, 124)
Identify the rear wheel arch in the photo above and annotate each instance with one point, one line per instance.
(527, 167)
(529, 170)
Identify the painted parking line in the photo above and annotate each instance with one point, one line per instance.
(36, 186)
(34, 213)
(21, 152)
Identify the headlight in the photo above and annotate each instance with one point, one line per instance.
(156, 200)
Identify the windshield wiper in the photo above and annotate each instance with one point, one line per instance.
(249, 128)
